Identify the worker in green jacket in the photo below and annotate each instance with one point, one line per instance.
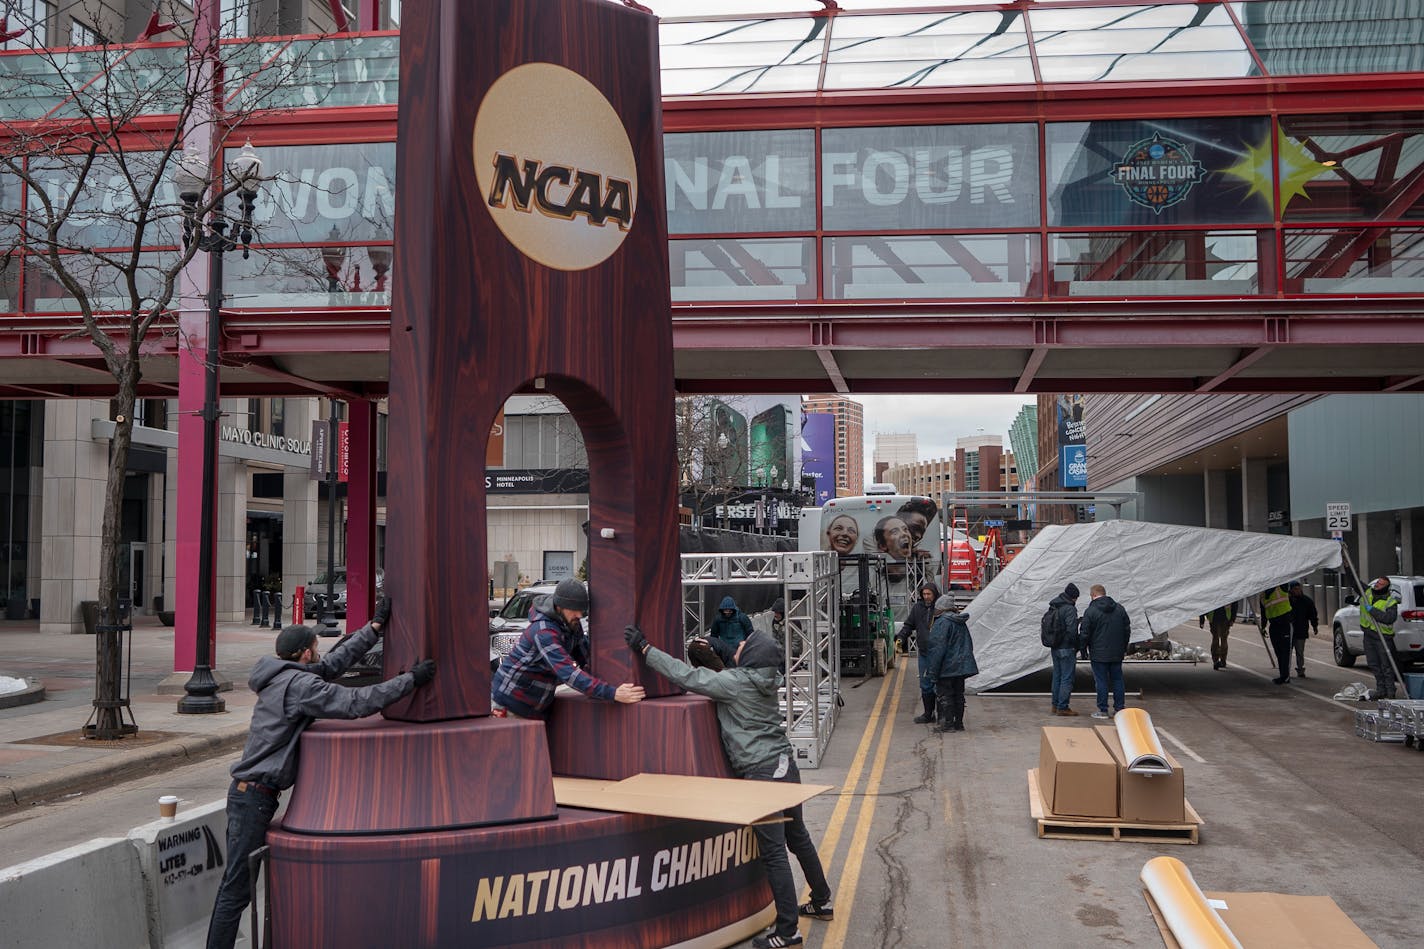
(1379, 608)
(754, 737)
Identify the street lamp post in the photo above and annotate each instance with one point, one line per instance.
(326, 619)
(191, 177)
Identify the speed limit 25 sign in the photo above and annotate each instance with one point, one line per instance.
(1337, 516)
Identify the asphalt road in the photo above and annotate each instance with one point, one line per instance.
(928, 840)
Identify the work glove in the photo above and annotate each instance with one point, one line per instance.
(635, 639)
(383, 613)
(423, 671)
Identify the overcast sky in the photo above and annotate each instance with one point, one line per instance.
(937, 420)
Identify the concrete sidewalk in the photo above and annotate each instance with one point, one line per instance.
(43, 755)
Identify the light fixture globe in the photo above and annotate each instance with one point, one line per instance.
(191, 175)
(246, 169)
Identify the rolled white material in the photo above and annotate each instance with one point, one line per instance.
(1189, 917)
(1140, 742)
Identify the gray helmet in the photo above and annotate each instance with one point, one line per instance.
(571, 594)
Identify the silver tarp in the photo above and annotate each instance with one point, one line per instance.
(1163, 574)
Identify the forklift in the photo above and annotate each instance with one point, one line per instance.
(867, 616)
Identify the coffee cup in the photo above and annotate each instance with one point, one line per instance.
(167, 806)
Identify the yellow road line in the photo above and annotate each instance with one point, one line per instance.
(827, 850)
(850, 874)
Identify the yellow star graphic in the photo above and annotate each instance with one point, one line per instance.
(1297, 168)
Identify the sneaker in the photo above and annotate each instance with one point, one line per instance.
(823, 911)
(1102, 715)
(1067, 711)
(1281, 680)
(1300, 673)
(773, 941)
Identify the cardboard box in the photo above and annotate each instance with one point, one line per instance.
(1076, 774)
(1159, 799)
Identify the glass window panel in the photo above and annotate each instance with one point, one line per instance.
(309, 277)
(1157, 263)
(105, 285)
(143, 81)
(1377, 260)
(928, 50)
(934, 266)
(35, 84)
(1144, 42)
(727, 182)
(320, 193)
(727, 269)
(930, 177)
(325, 74)
(1321, 37)
(741, 55)
(693, 9)
(1172, 171)
(1357, 167)
(112, 191)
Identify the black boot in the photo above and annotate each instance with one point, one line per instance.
(959, 716)
(946, 716)
(929, 714)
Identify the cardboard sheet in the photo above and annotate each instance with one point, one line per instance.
(1272, 920)
(723, 800)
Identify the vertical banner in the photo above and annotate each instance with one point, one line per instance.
(1072, 433)
(343, 452)
(818, 453)
(320, 449)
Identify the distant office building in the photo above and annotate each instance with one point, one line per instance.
(895, 448)
(850, 439)
(979, 464)
(1023, 438)
(928, 478)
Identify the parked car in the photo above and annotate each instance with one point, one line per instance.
(317, 588)
(1408, 629)
(509, 621)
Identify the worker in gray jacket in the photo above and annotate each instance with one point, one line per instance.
(756, 745)
(294, 689)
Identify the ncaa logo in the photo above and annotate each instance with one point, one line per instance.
(555, 167)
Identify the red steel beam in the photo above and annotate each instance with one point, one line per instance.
(1243, 361)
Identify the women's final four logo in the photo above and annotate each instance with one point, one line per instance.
(1157, 172)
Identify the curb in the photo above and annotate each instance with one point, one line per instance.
(174, 752)
(26, 696)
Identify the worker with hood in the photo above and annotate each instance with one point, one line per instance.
(730, 624)
(294, 688)
(754, 737)
(1064, 647)
(917, 624)
(949, 660)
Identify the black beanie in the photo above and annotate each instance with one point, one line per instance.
(1071, 592)
(779, 606)
(293, 639)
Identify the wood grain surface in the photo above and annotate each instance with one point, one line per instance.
(474, 321)
(673, 735)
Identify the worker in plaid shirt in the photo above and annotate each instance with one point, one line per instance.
(544, 656)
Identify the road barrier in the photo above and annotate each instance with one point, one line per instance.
(85, 897)
(153, 888)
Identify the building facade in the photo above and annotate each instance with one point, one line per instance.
(850, 439)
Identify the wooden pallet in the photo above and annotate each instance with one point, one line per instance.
(1054, 827)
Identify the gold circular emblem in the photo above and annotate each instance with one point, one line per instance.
(555, 166)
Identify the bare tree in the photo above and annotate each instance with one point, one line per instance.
(89, 146)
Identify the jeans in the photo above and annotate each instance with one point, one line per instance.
(1105, 673)
(927, 679)
(1064, 662)
(772, 841)
(248, 815)
(1299, 645)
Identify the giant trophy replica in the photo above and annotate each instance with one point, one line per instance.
(532, 248)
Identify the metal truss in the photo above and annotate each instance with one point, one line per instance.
(810, 588)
